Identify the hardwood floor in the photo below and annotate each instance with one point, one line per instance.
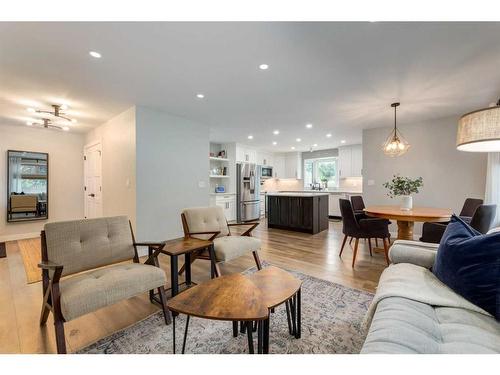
(315, 255)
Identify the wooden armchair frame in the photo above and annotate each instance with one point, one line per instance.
(203, 253)
(52, 296)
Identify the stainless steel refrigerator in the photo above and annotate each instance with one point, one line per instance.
(247, 192)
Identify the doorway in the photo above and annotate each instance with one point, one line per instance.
(92, 167)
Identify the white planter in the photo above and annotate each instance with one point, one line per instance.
(406, 202)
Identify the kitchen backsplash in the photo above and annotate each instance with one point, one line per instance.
(292, 184)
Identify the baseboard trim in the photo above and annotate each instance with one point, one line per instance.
(20, 236)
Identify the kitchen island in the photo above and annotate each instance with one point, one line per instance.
(298, 211)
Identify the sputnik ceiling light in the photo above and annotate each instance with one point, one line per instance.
(479, 131)
(57, 111)
(47, 124)
(395, 145)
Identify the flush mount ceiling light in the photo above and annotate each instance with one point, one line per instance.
(250, 137)
(95, 54)
(276, 132)
(47, 124)
(200, 96)
(315, 145)
(329, 135)
(57, 111)
(298, 139)
(395, 145)
(293, 148)
(309, 126)
(263, 66)
(275, 143)
(342, 141)
(479, 131)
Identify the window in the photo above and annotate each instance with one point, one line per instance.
(322, 171)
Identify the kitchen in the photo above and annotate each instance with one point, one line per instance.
(242, 190)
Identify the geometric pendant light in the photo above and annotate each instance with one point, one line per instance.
(395, 145)
(479, 131)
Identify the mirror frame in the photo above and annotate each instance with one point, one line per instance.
(46, 217)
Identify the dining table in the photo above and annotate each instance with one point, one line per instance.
(406, 218)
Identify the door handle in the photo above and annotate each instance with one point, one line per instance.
(92, 195)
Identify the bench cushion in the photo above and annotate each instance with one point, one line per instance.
(402, 325)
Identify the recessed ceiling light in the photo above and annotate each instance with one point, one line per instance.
(250, 137)
(65, 128)
(315, 145)
(29, 123)
(329, 135)
(263, 66)
(276, 132)
(32, 110)
(293, 148)
(64, 107)
(275, 143)
(74, 120)
(200, 96)
(95, 54)
(309, 126)
(298, 139)
(342, 141)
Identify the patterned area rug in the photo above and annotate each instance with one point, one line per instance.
(332, 317)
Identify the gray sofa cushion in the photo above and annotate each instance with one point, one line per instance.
(404, 326)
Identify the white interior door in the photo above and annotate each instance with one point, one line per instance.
(93, 180)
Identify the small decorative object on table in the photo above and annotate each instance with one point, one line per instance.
(404, 187)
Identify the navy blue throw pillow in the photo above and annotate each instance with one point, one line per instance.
(469, 263)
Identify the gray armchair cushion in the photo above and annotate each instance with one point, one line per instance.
(232, 247)
(89, 291)
(418, 253)
(206, 219)
(81, 245)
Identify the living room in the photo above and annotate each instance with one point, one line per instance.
(291, 187)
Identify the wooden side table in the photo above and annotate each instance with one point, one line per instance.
(182, 246)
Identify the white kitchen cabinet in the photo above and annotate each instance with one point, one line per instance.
(228, 204)
(265, 158)
(262, 205)
(245, 154)
(351, 161)
(293, 165)
(333, 204)
(279, 166)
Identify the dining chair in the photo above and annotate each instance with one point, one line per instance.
(364, 228)
(209, 223)
(433, 231)
(83, 269)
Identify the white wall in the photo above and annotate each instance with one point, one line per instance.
(118, 138)
(65, 175)
(449, 175)
(172, 159)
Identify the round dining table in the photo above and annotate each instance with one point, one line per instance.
(406, 219)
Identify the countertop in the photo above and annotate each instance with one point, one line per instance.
(296, 194)
(333, 192)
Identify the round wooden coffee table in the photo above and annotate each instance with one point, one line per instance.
(242, 298)
(406, 219)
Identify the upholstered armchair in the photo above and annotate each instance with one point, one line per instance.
(209, 223)
(75, 281)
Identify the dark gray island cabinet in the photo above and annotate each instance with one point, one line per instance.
(301, 212)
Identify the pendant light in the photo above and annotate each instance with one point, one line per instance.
(479, 131)
(395, 145)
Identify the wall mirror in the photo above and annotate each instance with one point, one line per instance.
(27, 186)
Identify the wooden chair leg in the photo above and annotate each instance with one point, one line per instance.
(163, 300)
(370, 246)
(350, 241)
(60, 337)
(355, 251)
(45, 307)
(257, 260)
(376, 242)
(386, 250)
(343, 244)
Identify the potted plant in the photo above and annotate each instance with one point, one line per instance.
(403, 187)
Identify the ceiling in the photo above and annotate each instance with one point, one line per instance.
(340, 77)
